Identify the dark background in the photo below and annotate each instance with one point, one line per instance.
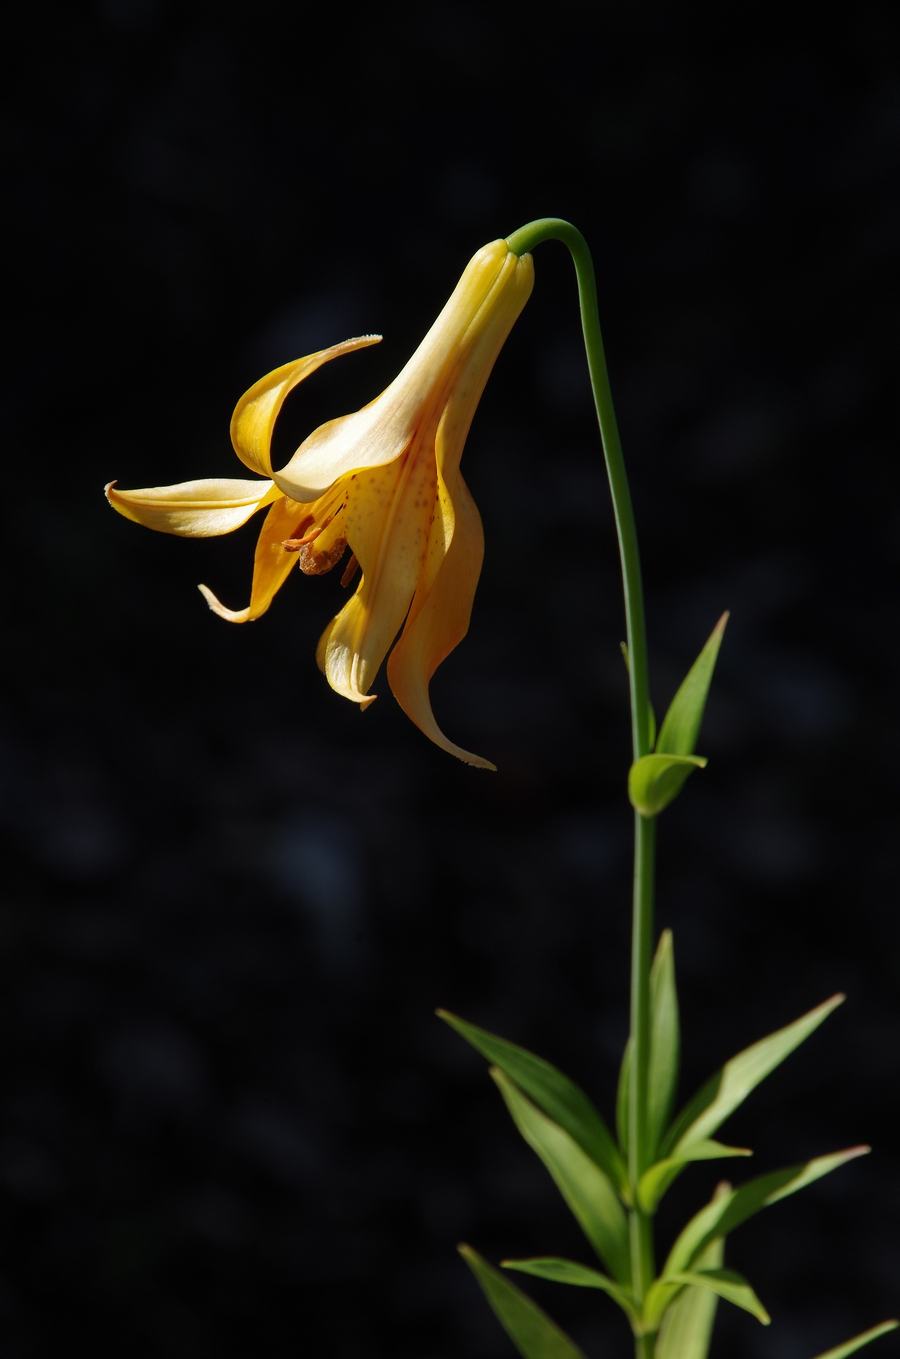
(231, 1123)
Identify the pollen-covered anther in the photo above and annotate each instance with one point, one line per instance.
(350, 571)
(314, 563)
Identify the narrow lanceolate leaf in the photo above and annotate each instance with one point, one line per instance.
(851, 1346)
(728, 1284)
(681, 724)
(731, 1085)
(569, 1272)
(731, 1209)
(532, 1332)
(687, 1324)
(553, 1092)
(587, 1191)
(656, 780)
(655, 1181)
(725, 1283)
(665, 1041)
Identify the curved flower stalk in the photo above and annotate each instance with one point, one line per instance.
(384, 481)
(613, 1186)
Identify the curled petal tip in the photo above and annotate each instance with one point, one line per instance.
(367, 702)
(230, 615)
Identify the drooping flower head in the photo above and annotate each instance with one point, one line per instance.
(385, 481)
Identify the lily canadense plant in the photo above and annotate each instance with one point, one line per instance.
(384, 486)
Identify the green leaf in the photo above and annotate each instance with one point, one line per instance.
(559, 1097)
(587, 1191)
(725, 1283)
(731, 1085)
(623, 1098)
(681, 724)
(569, 1272)
(851, 1346)
(665, 1042)
(655, 1181)
(687, 1324)
(656, 780)
(728, 1284)
(734, 1207)
(532, 1332)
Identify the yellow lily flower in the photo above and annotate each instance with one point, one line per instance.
(384, 480)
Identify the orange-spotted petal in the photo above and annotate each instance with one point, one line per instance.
(439, 623)
(256, 412)
(271, 564)
(194, 509)
(386, 518)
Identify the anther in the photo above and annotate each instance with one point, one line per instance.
(350, 571)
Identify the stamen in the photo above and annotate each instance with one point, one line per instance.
(350, 571)
(295, 544)
(305, 523)
(313, 563)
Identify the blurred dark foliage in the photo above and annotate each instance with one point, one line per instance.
(230, 1122)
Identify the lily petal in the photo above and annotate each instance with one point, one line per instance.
(194, 509)
(256, 412)
(495, 285)
(271, 564)
(386, 519)
(485, 337)
(439, 623)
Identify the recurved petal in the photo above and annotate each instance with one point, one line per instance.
(386, 519)
(194, 509)
(438, 624)
(271, 565)
(256, 412)
(338, 655)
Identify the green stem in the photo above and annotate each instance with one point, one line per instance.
(520, 242)
(640, 1224)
